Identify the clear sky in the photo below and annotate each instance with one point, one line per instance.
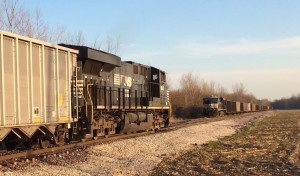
(256, 42)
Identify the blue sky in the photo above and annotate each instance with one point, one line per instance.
(230, 41)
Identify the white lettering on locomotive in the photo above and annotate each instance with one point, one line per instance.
(154, 77)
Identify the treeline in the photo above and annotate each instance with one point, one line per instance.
(187, 101)
(287, 103)
(14, 17)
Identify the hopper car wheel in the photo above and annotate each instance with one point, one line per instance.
(44, 143)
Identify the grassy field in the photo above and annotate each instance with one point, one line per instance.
(270, 146)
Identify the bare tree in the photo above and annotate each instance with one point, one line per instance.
(79, 39)
(191, 89)
(40, 28)
(265, 102)
(221, 91)
(212, 87)
(96, 44)
(110, 45)
(15, 17)
(239, 91)
(10, 14)
(24, 24)
(207, 88)
(59, 34)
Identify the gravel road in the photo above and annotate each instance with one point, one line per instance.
(138, 156)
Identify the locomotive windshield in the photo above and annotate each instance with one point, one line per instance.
(210, 100)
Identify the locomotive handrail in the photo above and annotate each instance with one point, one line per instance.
(83, 99)
(89, 94)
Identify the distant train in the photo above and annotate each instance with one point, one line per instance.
(218, 106)
(55, 94)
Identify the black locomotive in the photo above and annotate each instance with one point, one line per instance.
(112, 96)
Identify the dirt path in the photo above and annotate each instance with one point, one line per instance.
(268, 147)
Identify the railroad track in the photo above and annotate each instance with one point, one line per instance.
(19, 155)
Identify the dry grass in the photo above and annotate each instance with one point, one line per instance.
(270, 146)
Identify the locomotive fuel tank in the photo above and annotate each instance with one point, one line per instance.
(136, 117)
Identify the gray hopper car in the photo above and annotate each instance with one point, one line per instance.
(253, 107)
(245, 107)
(35, 83)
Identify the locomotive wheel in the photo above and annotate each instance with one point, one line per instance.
(44, 143)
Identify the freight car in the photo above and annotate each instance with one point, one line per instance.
(233, 107)
(55, 94)
(215, 106)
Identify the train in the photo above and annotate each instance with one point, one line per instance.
(219, 106)
(54, 94)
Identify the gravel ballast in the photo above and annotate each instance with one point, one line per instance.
(138, 156)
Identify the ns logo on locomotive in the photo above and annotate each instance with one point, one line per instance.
(59, 93)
